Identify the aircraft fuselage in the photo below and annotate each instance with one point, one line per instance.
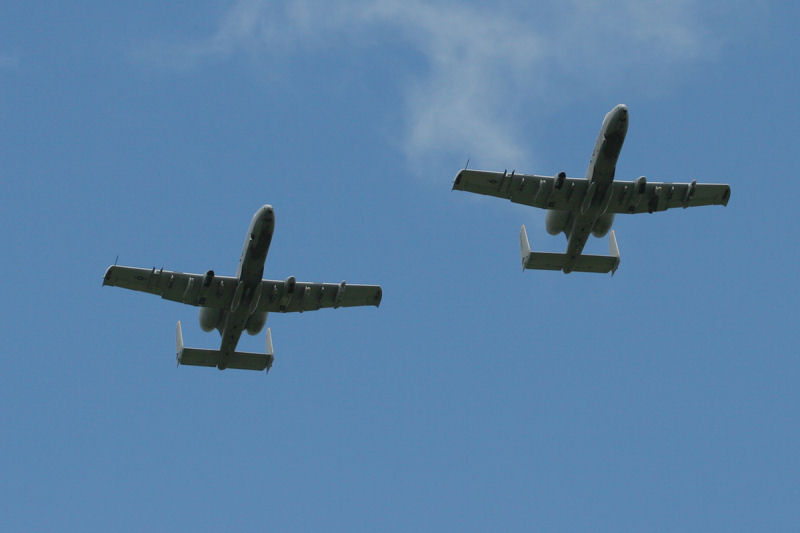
(249, 274)
(600, 174)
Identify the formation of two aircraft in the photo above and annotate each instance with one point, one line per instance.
(575, 206)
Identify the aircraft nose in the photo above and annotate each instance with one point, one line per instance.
(266, 212)
(619, 119)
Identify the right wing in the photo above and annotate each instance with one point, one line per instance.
(289, 296)
(567, 194)
(176, 286)
(546, 192)
(642, 196)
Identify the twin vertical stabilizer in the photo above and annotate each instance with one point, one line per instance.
(554, 261)
(241, 360)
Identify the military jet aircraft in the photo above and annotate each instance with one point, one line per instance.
(580, 206)
(235, 304)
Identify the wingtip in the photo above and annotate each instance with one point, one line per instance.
(727, 196)
(107, 276)
(457, 180)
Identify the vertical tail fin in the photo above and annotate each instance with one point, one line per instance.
(242, 360)
(613, 251)
(178, 343)
(524, 246)
(270, 350)
(553, 261)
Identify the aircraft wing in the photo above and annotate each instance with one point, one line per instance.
(176, 286)
(275, 296)
(567, 194)
(545, 192)
(289, 296)
(640, 196)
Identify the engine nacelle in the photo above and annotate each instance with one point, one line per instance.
(556, 221)
(603, 224)
(210, 318)
(208, 278)
(255, 323)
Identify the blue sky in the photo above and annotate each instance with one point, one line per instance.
(477, 397)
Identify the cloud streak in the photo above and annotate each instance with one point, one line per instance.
(485, 64)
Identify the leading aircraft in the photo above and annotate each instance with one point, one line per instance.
(580, 206)
(232, 305)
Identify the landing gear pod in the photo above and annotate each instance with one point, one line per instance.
(337, 301)
(639, 185)
(561, 177)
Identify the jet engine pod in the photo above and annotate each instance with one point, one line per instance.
(255, 322)
(602, 225)
(210, 318)
(556, 221)
(208, 278)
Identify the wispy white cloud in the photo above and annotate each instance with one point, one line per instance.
(486, 63)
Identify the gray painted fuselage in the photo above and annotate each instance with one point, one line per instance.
(249, 274)
(600, 174)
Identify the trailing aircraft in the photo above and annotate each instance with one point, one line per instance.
(582, 206)
(232, 305)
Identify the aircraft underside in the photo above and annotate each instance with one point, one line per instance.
(232, 305)
(579, 207)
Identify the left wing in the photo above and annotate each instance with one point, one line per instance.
(546, 192)
(192, 289)
(289, 296)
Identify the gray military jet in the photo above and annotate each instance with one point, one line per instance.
(232, 305)
(580, 206)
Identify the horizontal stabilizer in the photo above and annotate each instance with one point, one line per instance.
(241, 360)
(554, 261)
